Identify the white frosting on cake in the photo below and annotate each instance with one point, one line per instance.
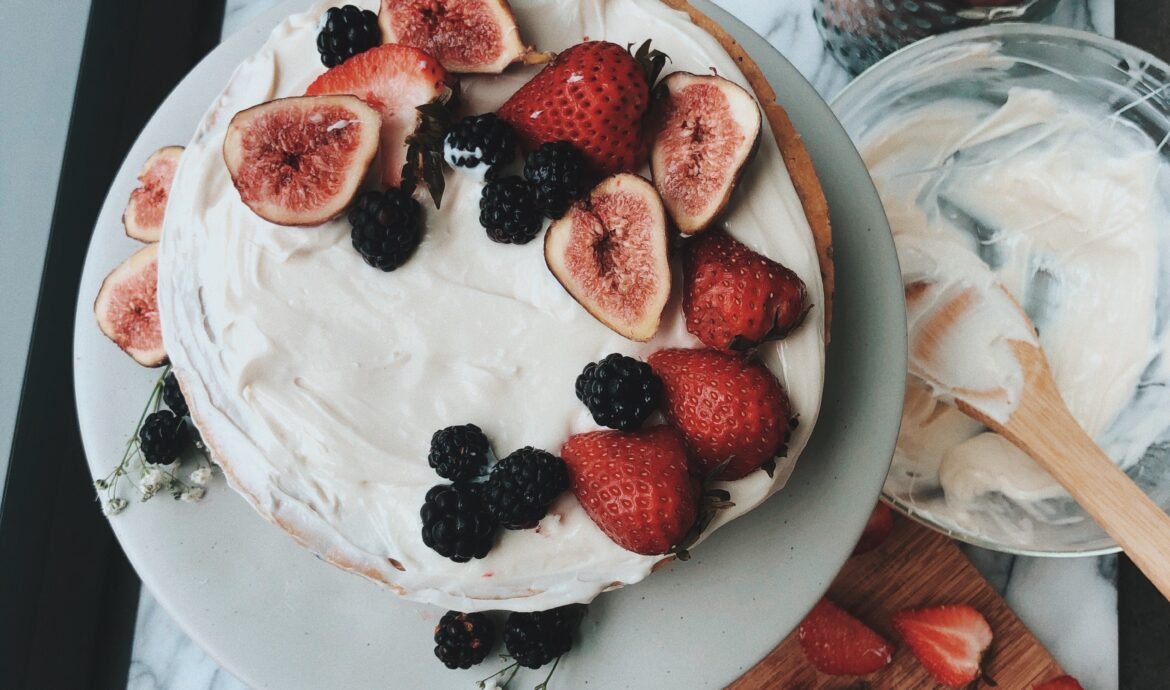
(318, 380)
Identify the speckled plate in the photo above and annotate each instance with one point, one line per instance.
(276, 617)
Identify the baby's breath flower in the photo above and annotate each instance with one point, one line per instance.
(192, 495)
(153, 480)
(201, 476)
(115, 506)
(101, 484)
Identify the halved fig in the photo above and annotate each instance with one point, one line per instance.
(394, 80)
(610, 252)
(299, 161)
(708, 128)
(143, 218)
(467, 36)
(127, 307)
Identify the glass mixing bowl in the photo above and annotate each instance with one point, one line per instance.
(1132, 89)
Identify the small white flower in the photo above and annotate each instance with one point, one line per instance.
(153, 480)
(101, 484)
(115, 506)
(192, 495)
(201, 476)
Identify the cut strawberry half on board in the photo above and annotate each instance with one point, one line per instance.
(1059, 683)
(394, 80)
(948, 640)
(838, 644)
(595, 96)
(877, 529)
(733, 413)
(609, 471)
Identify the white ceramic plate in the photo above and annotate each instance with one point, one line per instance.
(276, 617)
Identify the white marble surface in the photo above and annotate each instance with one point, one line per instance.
(1071, 605)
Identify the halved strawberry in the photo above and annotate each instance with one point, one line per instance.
(948, 640)
(838, 644)
(635, 486)
(595, 96)
(733, 297)
(877, 529)
(395, 80)
(1059, 683)
(728, 409)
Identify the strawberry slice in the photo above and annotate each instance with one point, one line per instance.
(877, 529)
(948, 640)
(394, 80)
(635, 486)
(1059, 683)
(838, 644)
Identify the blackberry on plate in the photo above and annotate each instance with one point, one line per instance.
(620, 392)
(534, 639)
(161, 437)
(523, 485)
(345, 32)
(387, 227)
(557, 173)
(459, 453)
(480, 142)
(507, 210)
(172, 395)
(456, 522)
(462, 640)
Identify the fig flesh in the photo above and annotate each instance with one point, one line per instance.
(610, 252)
(708, 128)
(299, 161)
(467, 36)
(143, 218)
(127, 307)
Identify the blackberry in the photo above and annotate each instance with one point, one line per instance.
(462, 640)
(620, 392)
(534, 639)
(456, 522)
(507, 210)
(522, 486)
(387, 227)
(161, 437)
(345, 32)
(459, 453)
(172, 395)
(557, 173)
(480, 140)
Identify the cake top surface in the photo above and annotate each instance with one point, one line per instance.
(318, 381)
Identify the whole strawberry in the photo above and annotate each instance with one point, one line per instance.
(635, 486)
(728, 409)
(734, 298)
(595, 96)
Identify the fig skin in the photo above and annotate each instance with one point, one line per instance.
(151, 195)
(126, 307)
(558, 245)
(742, 109)
(241, 168)
(510, 47)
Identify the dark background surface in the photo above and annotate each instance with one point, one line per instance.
(68, 598)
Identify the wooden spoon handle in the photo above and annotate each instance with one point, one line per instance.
(1043, 427)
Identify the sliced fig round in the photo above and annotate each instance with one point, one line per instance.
(610, 252)
(467, 36)
(143, 218)
(299, 161)
(127, 307)
(707, 129)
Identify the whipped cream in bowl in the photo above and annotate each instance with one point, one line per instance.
(1024, 167)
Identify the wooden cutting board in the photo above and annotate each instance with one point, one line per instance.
(914, 567)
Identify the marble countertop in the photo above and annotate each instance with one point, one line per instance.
(1070, 604)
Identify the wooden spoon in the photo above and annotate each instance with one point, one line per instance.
(972, 327)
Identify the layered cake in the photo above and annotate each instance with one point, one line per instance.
(318, 382)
